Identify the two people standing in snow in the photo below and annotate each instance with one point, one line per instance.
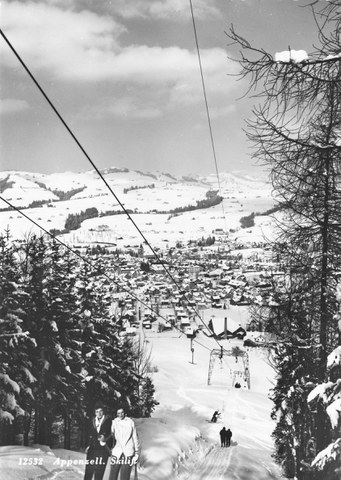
(103, 433)
(225, 437)
(228, 437)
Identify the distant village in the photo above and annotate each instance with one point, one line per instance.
(190, 288)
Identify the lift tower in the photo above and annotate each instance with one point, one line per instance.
(245, 372)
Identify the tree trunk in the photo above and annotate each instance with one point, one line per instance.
(324, 273)
(27, 427)
(67, 431)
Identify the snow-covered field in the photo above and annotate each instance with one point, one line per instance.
(154, 192)
(179, 441)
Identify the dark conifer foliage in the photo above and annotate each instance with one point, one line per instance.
(60, 346)
(146, 398)
(108, 374)
(17, 347)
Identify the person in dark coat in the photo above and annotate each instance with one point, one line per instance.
(222, 434)
(99, 444)
(215, 416)
(228, 437)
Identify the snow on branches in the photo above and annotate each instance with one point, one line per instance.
(321, 391)
(330, 454)
(295, 56)
(333, 411)
(334, 358)
(330, 394)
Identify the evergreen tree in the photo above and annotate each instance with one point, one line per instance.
(147, 402)
(327, 396)
(52, 320)
(16, 347)
(108, 367)
(61, 348)
(64, 320)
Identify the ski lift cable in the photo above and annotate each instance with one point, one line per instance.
(92, 264)
(207, 110)
(100, 175)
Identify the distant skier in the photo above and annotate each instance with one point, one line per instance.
(222, 434)
(215, 416)
(228, 438)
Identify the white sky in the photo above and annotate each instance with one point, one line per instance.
(124, 74)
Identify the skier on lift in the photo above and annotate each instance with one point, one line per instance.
(215, 416)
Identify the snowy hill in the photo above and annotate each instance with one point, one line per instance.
(50, 199)
(179, 441)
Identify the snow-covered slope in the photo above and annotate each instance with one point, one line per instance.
(179, 441)
(24, 187)
(142, 193)
(184, 394)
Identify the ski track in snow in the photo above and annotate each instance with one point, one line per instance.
(232, 463)
(182, 394)
(215, 466)
(228, 464)
(169, 450)
(63, 475)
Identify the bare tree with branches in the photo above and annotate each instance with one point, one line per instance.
(296, 132)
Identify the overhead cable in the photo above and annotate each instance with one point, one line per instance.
(100, 174)
(207, 111)
(88, 262)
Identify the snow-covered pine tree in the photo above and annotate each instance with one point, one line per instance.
(294, 363)
(71, 353)
(146, 401)
(32, 264)
(16, 347)
(328, 396)
(108, 360)
(62, 316)
(52, 320)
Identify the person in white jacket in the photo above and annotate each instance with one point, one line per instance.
(126, 446)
